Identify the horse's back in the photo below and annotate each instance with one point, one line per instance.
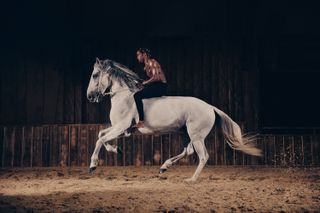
(177, 100)
(182, 105)
(176, 111)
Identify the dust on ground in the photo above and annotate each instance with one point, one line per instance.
(142, 189)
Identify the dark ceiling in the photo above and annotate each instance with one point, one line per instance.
(82, 19)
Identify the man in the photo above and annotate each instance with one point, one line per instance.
(155, 86)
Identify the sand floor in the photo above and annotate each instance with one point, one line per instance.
(142, 189)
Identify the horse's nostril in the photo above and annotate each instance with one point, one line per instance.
(90, 97)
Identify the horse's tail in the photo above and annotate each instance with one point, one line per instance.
(232, 133)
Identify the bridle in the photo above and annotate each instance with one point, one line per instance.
(102, 92)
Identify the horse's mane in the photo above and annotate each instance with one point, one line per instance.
(120, 73)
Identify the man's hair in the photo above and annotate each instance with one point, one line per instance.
(145, 50)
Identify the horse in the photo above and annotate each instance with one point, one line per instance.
(162, 114)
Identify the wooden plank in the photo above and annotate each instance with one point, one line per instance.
(4, 146)
(8, 139)
(289, 151)
(37, 147)
(128, 142)
(2, 130)
(156, 150)
(28, 157)
(120, 157)
(215, 146)
(279, 144)
(23, 145)
(307, 150)
(147, 150)
(316, 149)
(46, 135)
(138, 154)
(12, 146)
(73, 144)
(298, 150)
(27, 148)
(54, 146)
(82, 154)
(64, 146)
(264, 141)
(165, 143)
(275, 150)
(302, 150)
(17, 146)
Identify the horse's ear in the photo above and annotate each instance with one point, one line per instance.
(97, 60)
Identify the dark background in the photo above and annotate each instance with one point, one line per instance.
(256, 60)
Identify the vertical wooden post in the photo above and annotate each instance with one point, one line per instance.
(302, 150)
(31, 147)
(23, 145)
(12, 144)
(311, 150)
(5, 142)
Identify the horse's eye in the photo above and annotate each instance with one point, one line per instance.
(95, 75)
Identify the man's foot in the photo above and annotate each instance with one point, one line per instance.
(140, 124)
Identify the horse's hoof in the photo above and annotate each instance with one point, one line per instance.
(162, 171)
(91, 169)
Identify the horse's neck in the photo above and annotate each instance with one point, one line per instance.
(121, 93)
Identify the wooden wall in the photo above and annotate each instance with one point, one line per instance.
(45, 82)
(73, 145)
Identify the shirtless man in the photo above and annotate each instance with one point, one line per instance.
(155, 86)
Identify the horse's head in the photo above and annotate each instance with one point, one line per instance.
(100, 81)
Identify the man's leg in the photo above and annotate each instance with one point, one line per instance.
(145, 93)
(138, 99)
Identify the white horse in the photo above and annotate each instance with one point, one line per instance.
(161, 115)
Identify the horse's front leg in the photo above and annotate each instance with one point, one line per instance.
(113, 133)
(104, 132)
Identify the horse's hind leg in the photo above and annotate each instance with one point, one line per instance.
(201, 150)
(186, 151)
